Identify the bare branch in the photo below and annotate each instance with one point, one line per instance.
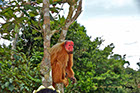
(71, 10)
(36, 29)
(70, 18)
(59, 11)
(54, 31)
(78, 12)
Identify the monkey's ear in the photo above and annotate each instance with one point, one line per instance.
(65, 42)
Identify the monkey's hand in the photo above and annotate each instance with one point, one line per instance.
(73, 79)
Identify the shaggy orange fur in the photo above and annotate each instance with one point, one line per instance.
(61, 63)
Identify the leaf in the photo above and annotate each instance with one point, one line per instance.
(7, 26)
(27, 88)
(34, 79)
(27, 7)
(54, 10)
(62, 20)
(39, 1)
(6, 84)
(11, 87)
(21, 19)
(16, 29)
(38, 38)
(34, 31)
(32, 14)
(5, 10)
(11, 80)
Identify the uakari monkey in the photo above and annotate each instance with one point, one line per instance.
(62, 62)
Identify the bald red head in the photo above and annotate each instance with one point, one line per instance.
(69, 46)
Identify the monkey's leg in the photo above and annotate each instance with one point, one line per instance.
(57, 72)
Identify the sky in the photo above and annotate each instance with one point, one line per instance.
(117, 22)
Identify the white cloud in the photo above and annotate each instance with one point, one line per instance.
(120, 3)
(109, 3)
(123, 31)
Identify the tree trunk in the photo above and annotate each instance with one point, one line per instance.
(60, 87)
(45, 66)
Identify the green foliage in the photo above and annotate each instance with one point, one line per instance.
(17, 14)
(133, 83)
(18, 75)
(96, 70)
(30, 41)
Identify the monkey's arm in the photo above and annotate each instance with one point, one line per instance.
(69, 70)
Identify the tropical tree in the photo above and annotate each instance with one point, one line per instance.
(20, 13)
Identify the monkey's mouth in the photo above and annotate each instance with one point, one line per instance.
(71, 52)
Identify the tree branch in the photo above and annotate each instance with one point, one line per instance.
(71, 10)
(78, 12)
(35, 28)
(54, 31)
(70, 18)
(59, 11)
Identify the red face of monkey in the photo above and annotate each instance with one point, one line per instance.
(69, 46)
